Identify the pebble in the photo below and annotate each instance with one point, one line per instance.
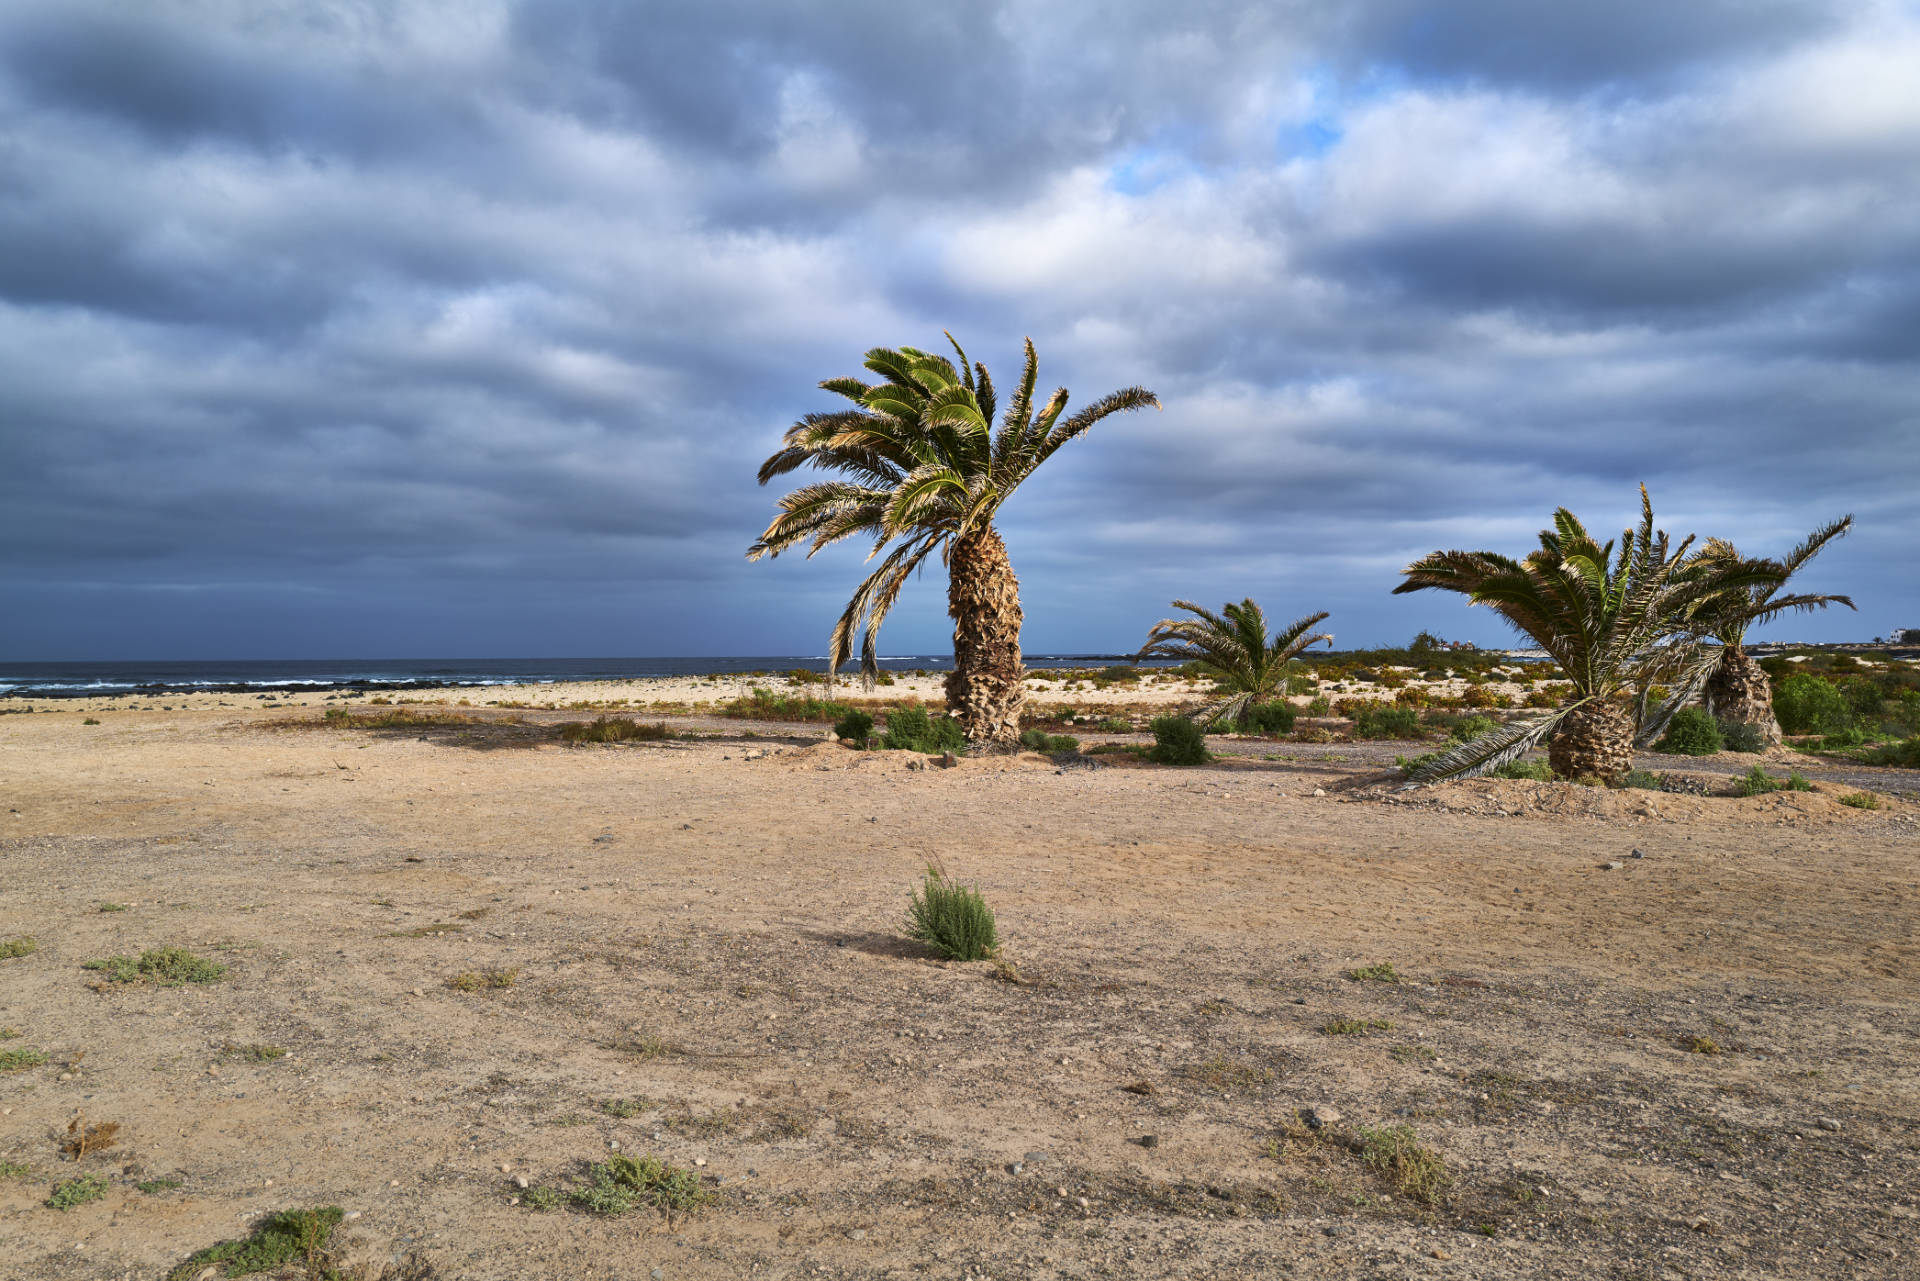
(1016, 1168)
(1614, 866)
(1638, 854)
(64, 1076)
(700, 1161)
(520, 1181)
(1829, 1124)
(1320, 1116)
(1149, 1140)
(1319, 791)
(858, 1234)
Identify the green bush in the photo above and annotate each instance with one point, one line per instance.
(1036, 740)
(1805, 704)
(614, 729)
(1319, 706)
(1276, 717)
(952, 919)
(622, 1183)
(1178, 741)
(1691, 732)
(1738, 736)
(1757, 782)
(289, 1237)
(856, 725)
(164, 966)
(910, 729)
(1861, 800)
(1536, 771)
(1411, 765)
(765, 705)
(1386, 721)
(1640, 780)
(23, 946)
(1905, 753)
(79, 1191)
(1468, 728)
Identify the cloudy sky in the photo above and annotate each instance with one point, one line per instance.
(458, 329)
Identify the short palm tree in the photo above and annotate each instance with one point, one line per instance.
(926, 471)
(1234, 649)
(1728, 681)
(1606, 619)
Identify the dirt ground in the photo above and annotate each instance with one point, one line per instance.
(1649, 1035)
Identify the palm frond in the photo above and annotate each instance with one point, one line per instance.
(1491, 750)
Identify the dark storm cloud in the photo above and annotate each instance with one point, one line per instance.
(364, 313)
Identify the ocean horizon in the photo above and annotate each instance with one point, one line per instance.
(50, 680)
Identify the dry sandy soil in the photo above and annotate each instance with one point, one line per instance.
(1702, 1062)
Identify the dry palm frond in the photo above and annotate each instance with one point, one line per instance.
(1492, 749)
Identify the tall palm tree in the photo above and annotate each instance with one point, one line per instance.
(1233, 648)
(1605, 618)
(927, 472)
(1728, 681)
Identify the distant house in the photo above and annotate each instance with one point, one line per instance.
(1907, 636)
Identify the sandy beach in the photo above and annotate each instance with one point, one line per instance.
(1647, 1035)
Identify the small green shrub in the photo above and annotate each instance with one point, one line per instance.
(1035, 740)
(153, 1187)
(1382, 720)
(542, 1197)
(1178, 741)
(1640, 780)
(162, 966)
(277, 1241)
(1115, 725)
(1535, 771)
(953, 919)
(623, 1183)
(78, 1191)
(1757, 782)
(856, 725)
(911, 729)
(1276, 717)
(1805, 704)
(764, 705)
(24, 946)
(1342, 1025)
(1319, 705)
(1468, 728)
(1844, 739)
(1739, 736)
(112, 907)
(1691, 732)
(20, 1060)
(1861, 800)
(1905, 754)
(14, 1170)
(484, 980)
(614, 729)
(1411, 765)
(1381, 973)
(1396, 1153)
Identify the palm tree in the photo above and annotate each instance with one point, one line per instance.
(1728, 681)
(1605, 618)
(928, 472)
(1233, 648)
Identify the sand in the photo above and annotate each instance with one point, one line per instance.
(1701, 1062)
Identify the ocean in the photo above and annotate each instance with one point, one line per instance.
(107, 680)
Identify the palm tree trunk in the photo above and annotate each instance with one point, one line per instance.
(1595, 741)
(1738, 691)
(987, 686)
